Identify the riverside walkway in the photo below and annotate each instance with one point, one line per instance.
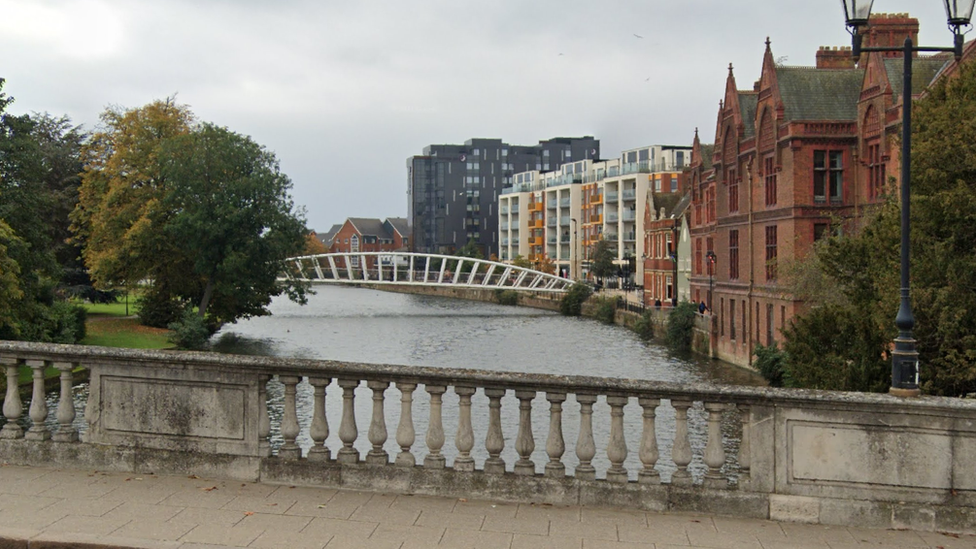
(57, 508)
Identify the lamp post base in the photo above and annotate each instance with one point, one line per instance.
(904, 393)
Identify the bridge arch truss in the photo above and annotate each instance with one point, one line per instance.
(408, 268)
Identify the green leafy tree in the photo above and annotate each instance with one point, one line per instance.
(603, 256)
(29, 232)
(228, 205)
(521, 261)
(854, 334)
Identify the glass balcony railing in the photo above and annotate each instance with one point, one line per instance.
(610, 236)
(611, 197)
(629, 237)
(503, 210)
(629, 194)
(504, 226)
(629, 215)
(564, 203)
(551, 222)
(564, 220)
(564, 239)
(611, 218)
(551, 204)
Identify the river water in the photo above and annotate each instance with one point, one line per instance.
(363, 325)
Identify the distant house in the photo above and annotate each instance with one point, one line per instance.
(366, 234)
(326, 238)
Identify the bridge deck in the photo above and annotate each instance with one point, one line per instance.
(62, 508)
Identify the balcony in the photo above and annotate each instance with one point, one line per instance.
(564, 239)
(505, 242)
(552, 240)
(629, 215)
(535, 206)
(612, 237)
(596, 218)
(551, 203)
(611, 217)
(503, 210)
(596, 198)
(551, 222)
(629, 194)
(503, 226)
(630, 237)
(535, 241)
(564, 203)
(611, 197)
(536, 223)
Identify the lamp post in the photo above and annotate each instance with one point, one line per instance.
(573, 255)
(710, 256)
(674, 257)
(904, 357)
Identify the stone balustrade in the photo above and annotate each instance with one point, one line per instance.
(784, 454)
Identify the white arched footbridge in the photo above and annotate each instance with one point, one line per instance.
(421, 270)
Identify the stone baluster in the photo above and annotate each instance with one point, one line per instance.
(464, 440)
(319, 430)
(681, 449)
(435, 429)
(617, 446)
(495, 441)
(377, 426)
(585, 446)
(714, 451)
(347, 428)
(66, 405)
(745, 448)
(524, 443)
(648, 448)
(264, 420)
(38, 406)
(289, 420)
(12, 406)
(405, 435)
(555, 446)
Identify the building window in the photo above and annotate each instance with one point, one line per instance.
(769, 174)
(698, 257)
(669, 283)
(734, 255)
(771, 252)
(732, 319)
(745, 323)
(733, 184)
(828, 176)
(876, 171)
(820, 231)
(769, 325)
(674, 183)
(721, 316)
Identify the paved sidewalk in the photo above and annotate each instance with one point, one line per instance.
(59, 508)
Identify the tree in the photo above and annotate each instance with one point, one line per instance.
(119, 213)
(545, 264)
(603, 256)
(228, 205)
(856, 333)
(520, 261)
(314, 246)
(30, 218)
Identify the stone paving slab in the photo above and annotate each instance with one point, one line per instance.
(57, 509)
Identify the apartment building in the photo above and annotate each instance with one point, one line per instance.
(453, 190)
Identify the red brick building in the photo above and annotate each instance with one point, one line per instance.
(663, 216)
(361, 234)
(804, 148)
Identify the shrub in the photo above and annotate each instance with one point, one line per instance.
(507, 297)
(158, 309)
(606, 309)
(645, 326)
(67, 322)
(572, 303)
(681, 324)
(190, 331)
(771, 362)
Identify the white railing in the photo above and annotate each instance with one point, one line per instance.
(399, 268)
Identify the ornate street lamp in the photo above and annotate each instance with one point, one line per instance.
(904, 362)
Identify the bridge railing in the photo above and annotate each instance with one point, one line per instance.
(421, 269)
(816, 456)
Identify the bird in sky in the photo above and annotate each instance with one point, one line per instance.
(637, 35)
(560, 54)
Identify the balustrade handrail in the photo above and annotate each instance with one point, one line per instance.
(56, 352)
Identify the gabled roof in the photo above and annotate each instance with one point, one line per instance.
(682, 205)
(748, 102)
(924, 71)
(400, 224)
(668, 201)
(368, 226)
(809, 93)
(707, 150)
(327, 237)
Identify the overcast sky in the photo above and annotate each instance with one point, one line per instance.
(344, 92)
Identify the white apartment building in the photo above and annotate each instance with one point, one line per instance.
(563, 213)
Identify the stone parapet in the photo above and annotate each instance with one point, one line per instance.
(798, 455)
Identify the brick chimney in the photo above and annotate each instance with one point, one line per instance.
(890, 30)
(835, 58)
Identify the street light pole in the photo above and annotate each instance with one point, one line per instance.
(904, 356)
(573, 255)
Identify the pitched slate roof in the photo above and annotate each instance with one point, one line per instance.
(809, 93)
(748, 102)
(706, 152)
(369, 226)
(681, 206)
(924, 71)
(327, 237)
(401, 224)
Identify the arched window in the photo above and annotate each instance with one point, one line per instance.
(767, 148)
(731, 175)
(873, 153)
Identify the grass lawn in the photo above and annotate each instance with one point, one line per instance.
(109, 327)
